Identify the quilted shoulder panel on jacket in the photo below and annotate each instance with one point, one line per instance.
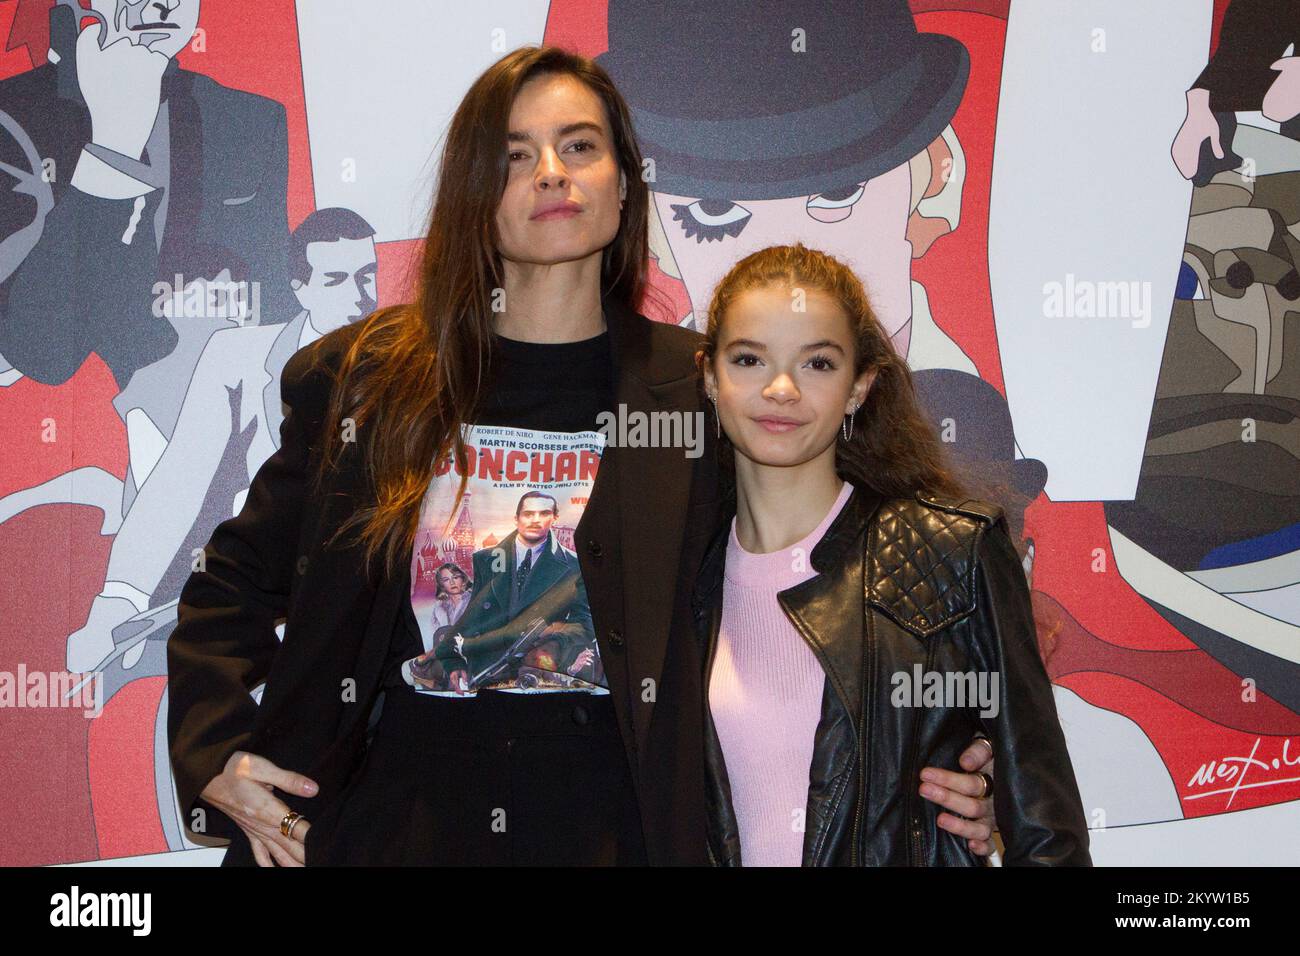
(922, 559)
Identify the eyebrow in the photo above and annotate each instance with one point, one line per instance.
(516, 136)
(760, 347)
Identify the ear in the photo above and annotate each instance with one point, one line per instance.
(706, 371)
(861, 386)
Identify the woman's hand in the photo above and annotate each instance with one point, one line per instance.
(971, 817)
(244, 792)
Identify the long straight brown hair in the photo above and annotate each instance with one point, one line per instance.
(415, 372)
(894, 450)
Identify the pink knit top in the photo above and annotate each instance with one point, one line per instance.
(765, 694)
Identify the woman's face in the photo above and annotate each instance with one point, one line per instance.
(451, 582)
(783, 379)
(561, 155)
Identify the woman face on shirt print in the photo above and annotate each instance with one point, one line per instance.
(561, 154)
(452, 582)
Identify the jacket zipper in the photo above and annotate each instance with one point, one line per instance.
(914, 840)
(864, 742)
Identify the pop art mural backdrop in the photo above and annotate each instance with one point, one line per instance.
(1079, 221)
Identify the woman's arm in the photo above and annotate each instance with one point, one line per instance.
(1035, 796)
(225, 641)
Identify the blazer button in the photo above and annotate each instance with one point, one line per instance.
(580, 715)
(616, 638)
(594, 549)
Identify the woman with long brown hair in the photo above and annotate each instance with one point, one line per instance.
(864, 613)
(559, 718)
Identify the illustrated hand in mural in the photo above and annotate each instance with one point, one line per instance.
(969, 816)
(1282, 101)
(122, 86)
(245, 792)
(1198, 126)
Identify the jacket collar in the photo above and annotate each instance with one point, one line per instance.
(816, 607)
(847, 528)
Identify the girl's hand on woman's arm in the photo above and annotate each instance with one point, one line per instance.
(244, 791)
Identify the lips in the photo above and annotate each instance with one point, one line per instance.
(560, 210)
(774, 423)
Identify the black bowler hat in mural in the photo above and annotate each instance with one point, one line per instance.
(728, 110)
(985, 446)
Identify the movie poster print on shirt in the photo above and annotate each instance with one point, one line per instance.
(495, 582)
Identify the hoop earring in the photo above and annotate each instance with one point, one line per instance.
(717, 420)
(846, 426)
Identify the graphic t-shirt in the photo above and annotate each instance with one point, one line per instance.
(497, 598)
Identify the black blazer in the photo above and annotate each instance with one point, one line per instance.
(269, 562)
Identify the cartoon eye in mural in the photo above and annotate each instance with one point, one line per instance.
(711, 219)
(840, 199)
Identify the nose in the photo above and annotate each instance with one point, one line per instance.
(782, 388)
(551, 171)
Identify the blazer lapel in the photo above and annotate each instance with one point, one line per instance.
(654, 486)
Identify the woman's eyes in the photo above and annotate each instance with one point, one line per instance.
(587, 144)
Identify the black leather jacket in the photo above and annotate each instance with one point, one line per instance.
(902, 584)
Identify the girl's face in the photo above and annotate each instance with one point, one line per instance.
(783, 379)
(562, 195)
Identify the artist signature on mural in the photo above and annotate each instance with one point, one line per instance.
(1234, 771)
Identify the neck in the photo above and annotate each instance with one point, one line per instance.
(552, 303)
(777, 506)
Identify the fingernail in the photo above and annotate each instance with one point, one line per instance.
(927, 774)
(309, 787)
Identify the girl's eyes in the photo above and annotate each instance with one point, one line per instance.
(819, 363)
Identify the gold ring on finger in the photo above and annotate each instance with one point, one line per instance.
(289, 821)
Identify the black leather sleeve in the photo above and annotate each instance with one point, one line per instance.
(225, 641)
(1035, 798)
